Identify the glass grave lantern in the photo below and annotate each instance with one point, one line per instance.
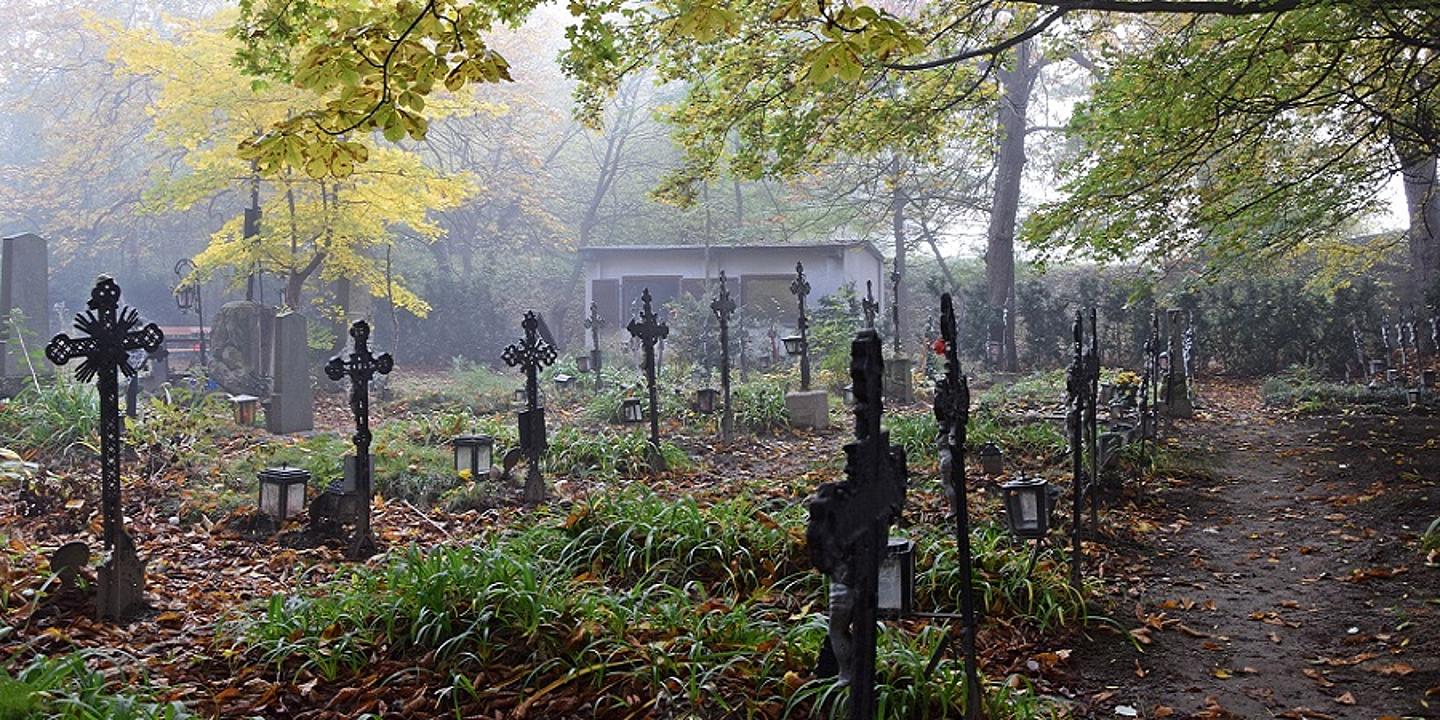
(1392, 375)
(582, 363)
(282, 491)
(1412, 396)
(473, 453)
(706, 399)
(521, 398)
(631, 411)
(245, 407)
(794, 345)
(564, 382)
(896, 596)
(1027, 507)
(1427, 378)
(992, 459)
(849, 391)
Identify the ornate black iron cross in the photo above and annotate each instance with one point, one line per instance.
(593, 323)
(648, 329)
(952, 413)
(869, 305)
(112, 335)
(850, 522)
(800, 288)
(724, 308)
(531, 353)
(361, 367)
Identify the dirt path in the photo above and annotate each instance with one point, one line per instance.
(1289, 584)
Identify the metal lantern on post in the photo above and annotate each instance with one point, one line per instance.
(794, 345)
(188, 297)
(631, 411)
(282, 491)
(245, 408)
(582, 363)
(896, 589)
(992, 459)
(564, 382)
(1027, 507)
(473, 453)
(706, 399)
(520, 397)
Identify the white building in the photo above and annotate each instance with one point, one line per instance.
(759, 275)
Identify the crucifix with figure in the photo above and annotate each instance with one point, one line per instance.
(800, 288)
(531, 353)
(649, 330)
(849, 527)
(870, 305)
(593, 323)
(361, 367)
(112, 335)
(724, 308)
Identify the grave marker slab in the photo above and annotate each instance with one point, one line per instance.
(24, 288)
(292, 400)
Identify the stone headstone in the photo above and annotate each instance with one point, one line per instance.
(24, 287)
(121, 582)
(899, 381)
(292, 401)
(240, 348)
(1176, 391)
(808, 409)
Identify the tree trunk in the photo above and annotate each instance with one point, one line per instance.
(1422, 199)
(1015, 86)
(898, 199)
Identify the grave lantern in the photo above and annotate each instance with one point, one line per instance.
(245, 408)
(1412, 395)
(473, 453)
(1377, 367)
(992, 459)
(631, 412)
(794, 345)
(282, 491)
(849, 391)
(705, 399)
(520, 397)
(896, 596)
(564, 382)
(1027, 507)
(1392, 375)
(582, 363)
(1427, 378)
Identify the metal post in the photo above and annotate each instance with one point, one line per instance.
(1076, 384)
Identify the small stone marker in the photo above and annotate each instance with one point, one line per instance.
(111, 335)
(292, 400)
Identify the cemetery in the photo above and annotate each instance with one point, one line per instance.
(469, 360)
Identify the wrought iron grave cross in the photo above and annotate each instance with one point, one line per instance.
(800, 288)
(361, 367)
(724, 308)
(531, 353)
(850, 523)
(112, 335)
(648, 329)
(593, 323)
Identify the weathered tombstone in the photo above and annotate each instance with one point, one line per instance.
(648, 329)
(1177, 385)
(292, 400)
(952, 413)
(112, 334)
(807, 408)
(240, 347)
(724, 308)
(531, 353)
(24, 289)
(849, 525)
(361, 367)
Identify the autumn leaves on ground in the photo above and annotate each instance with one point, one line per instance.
(1261, 563)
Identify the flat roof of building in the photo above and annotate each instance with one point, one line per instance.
(863, 244)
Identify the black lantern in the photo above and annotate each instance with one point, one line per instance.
(849, 391)
(897, 580)
(473, 454)
(794, 345)
(582, 363)
(992, 459)
(1377, 367)
(1427, 378)
(631, 411)
(1392, 375)
(282, 492)
(1412, 395)
(245, 407)
(706, 399)
(520, 396)
(1027, 507)
(564, 382)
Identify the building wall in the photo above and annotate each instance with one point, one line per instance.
(765, 270)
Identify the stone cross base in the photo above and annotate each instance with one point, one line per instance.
(121, 582)
(899, 381)
(808, 409)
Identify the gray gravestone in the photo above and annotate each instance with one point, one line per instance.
(240, 347)
(24, 287)
(899, 381)
(1176, 397)
(292, 402)
(808, 409)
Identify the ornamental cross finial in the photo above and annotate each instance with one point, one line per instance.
(869, 305)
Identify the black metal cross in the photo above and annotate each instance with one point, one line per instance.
(1081, 401)
(593, 324)
(648, 329)
(850, 522)
(800, 287)
(112, 335)
(724, 308)
(531, 353)
(361, 367)
(952, 413)
(869, 305)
